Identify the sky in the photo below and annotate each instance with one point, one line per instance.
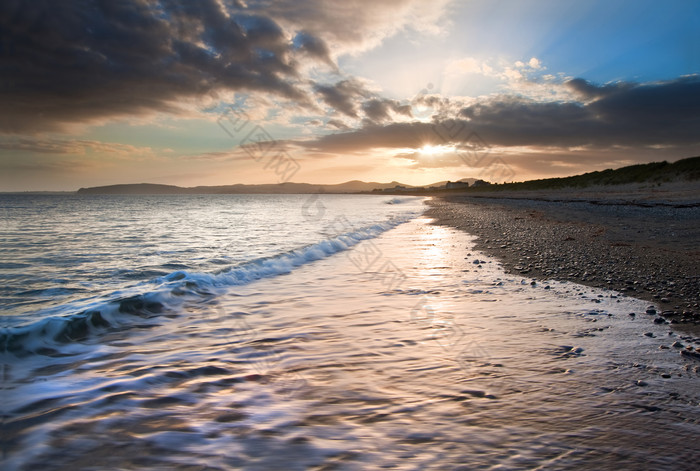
(218, 92)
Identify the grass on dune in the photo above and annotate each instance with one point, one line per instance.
(655, 172)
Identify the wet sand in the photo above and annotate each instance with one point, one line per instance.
(639, 240)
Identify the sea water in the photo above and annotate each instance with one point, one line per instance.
(315, 332)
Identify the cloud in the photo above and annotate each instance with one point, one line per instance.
(478, 76)
(533, 63)
(659, 107)
(350, 96)
(343, 96)
(419, 160)
(78, 60)
(354, 26)
(467, 65)
(393, 135)
(378, 110)
(338, 124)
(82, 61)
(51, 167)
(71, 147)
(622, 114)
(661, 114)
(214, 156)
(589, 91)
(314, 47)
(497, 69)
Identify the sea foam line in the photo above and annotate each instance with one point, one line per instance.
(146, 301)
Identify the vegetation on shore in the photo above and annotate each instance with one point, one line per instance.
(655, 172)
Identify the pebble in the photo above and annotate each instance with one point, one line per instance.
(534, 246)
(677, 344)
(691, 354)
(641, 383)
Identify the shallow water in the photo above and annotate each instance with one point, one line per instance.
(61, 254)
(395, 353)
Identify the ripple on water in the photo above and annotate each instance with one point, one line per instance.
(312, 371)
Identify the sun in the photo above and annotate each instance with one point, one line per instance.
(429, 150)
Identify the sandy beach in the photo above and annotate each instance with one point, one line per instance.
(642, 241)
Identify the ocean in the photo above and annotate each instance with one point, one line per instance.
(319, 332)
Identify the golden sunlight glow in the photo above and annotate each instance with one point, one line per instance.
(431, 151)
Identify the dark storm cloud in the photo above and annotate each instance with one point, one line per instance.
(675, 103)
(589, 91)
(77, 60)
(623, 114)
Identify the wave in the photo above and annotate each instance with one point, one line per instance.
(150, 301)
(397, 200)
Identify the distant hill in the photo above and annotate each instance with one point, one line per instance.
(354, 186)
(684, 169)
(135, 189)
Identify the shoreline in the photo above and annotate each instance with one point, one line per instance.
(648, 251)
